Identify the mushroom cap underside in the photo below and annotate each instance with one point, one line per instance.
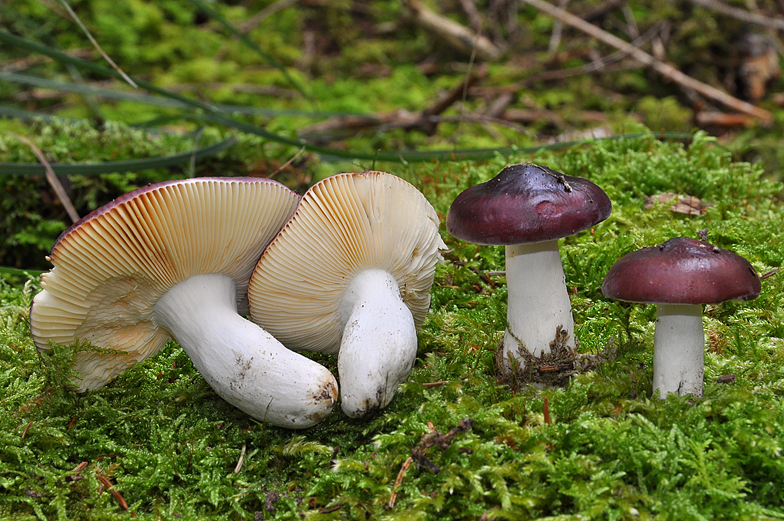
(681, 271)
(112, 267)
(344, 224)
(526, 203)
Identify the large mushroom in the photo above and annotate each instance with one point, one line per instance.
(527, 208)
(174, 260)
(679, 276)
(350, 274)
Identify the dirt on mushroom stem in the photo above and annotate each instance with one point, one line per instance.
(554, 368)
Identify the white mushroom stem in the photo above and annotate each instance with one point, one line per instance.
(379, 344)
(538, 301)
(678, 350)
(245, 365)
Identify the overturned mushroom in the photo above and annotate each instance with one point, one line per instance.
(679, 276)
(350, 275)
(174, 260)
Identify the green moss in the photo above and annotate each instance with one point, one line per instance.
(171, 446)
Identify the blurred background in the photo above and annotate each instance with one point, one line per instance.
(139, 91)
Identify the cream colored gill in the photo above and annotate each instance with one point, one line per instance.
(344, 224)
(109, 272)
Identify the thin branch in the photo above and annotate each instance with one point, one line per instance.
(241, 460)
(265, 13)
(51, 178)
(601, 11)
(287, 163)
(458, 36)
(596, 65)
(741, 14)
(473, 14)
(662, 68)
(399, 481)
(555, 36)
(98, 47)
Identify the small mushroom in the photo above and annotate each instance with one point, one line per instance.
(679, 276)
(527, 208)
(174, 260)
(350, 274)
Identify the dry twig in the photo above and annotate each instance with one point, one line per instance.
(106, 57)
(51, 177)
(241, 460)
(114, 492)
(458, 36)
(428, 440)
(741, 14)
(662, 68)
(601, 11)
(707, 118)
(265, 13)
(546, 410)
(426, 121)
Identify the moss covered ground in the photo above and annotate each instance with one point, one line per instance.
(157, 443)
(174, 450)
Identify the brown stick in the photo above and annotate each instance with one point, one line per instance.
(98, 47)
(262, 15)
(426, 121)
(241, 460)
(51, 177)
(741, 14)
(400, 475)
(601, 11)
(427, 441)
(110, 487)
(455, 93)
(546, 407)
(721, 119)
(433, 384)
(26, 429)
(458, 36)
(662, 68)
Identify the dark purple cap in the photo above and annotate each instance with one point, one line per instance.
(526, 203)
(681, 271)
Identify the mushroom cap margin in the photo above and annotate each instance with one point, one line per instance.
(681, 271)
(526, 203)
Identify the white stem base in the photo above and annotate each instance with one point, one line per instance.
(379, 344)
(678, 350)
(245, 365)
(538, 299)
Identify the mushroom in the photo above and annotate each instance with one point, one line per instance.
(527, 208)
(679, 276)
(350, 274)
(174, 260)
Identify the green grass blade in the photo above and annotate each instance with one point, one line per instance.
(16, 271)
(63, 58)
(118, 166)
(16, 113)
(138, 97)
(95, 43)
(327, 153)
(419, 156)
(78, 88)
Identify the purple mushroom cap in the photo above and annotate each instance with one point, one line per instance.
(681, 271)
(526, 203)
